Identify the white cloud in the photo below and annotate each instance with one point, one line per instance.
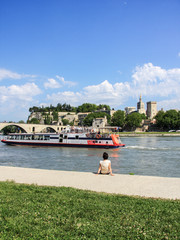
(68, 83)
(73, 98)
(60, 82)
(7, 74)
(15, 93)
(153, 82)
(179, 54)
(15, 101)
(148, 74)
(52, 83)
(104, 92)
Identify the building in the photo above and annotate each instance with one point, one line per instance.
(140, 106)
(151, 109)
(129, 110)
(110, 112)
(99, 122)
(81, 117)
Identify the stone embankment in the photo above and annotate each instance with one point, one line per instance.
(149, 134)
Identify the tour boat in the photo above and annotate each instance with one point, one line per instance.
(65, 139)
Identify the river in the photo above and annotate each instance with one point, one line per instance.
(150, 156)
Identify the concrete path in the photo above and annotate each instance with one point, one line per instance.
(145, 186)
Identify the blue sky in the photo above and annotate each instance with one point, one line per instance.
(97, 51)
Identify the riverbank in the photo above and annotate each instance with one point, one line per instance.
(131, 185)
(148, 134)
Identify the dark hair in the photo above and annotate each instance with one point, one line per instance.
(105, 155)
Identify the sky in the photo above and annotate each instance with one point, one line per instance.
(88, 51)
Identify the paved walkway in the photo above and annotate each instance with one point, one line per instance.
(145, 186)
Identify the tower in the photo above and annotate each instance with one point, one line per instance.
(151, 109)
(140, 106)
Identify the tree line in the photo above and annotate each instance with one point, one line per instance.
(169, 120)
(85, 107)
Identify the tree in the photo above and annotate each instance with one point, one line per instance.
(160, 119)
(133, 120)
(171, 120)
(101, 106)
(118, 118)
(168, 120)
(47, 120)
(9, 129)
(55, 116)
(87, 107)
(66, 122)
(34, 121)
(34, 109)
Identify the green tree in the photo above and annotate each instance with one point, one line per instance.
(168, 120)
(87, 107)
(9, 129)
(34, 109)
(160, 119)
(118, 118)
(47, 120)
(66, 122)
(34, 121)
(101, 106)
(171, 120)
(55, 116)
(133, 120)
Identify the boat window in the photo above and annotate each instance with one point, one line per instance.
(65, 137)
(99, 141)
(22, 137)
(61, 135)
(36, 137)
(77, 136)
(106, 142)
(26, 137)
(60, 140)
(46, 137)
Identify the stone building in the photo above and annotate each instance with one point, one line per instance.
(151, 109)
(129, 110)
(140, 106)
(36, 115)
(99, 122)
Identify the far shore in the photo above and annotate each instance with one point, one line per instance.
(148, 134)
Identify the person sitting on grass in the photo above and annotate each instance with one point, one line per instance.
(105, 165)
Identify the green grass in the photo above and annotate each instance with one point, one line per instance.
(33, 212)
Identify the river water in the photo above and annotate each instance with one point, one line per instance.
(150, 156)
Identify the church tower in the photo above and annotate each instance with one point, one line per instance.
(140, 106)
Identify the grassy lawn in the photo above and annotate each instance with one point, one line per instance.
(33, 212)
